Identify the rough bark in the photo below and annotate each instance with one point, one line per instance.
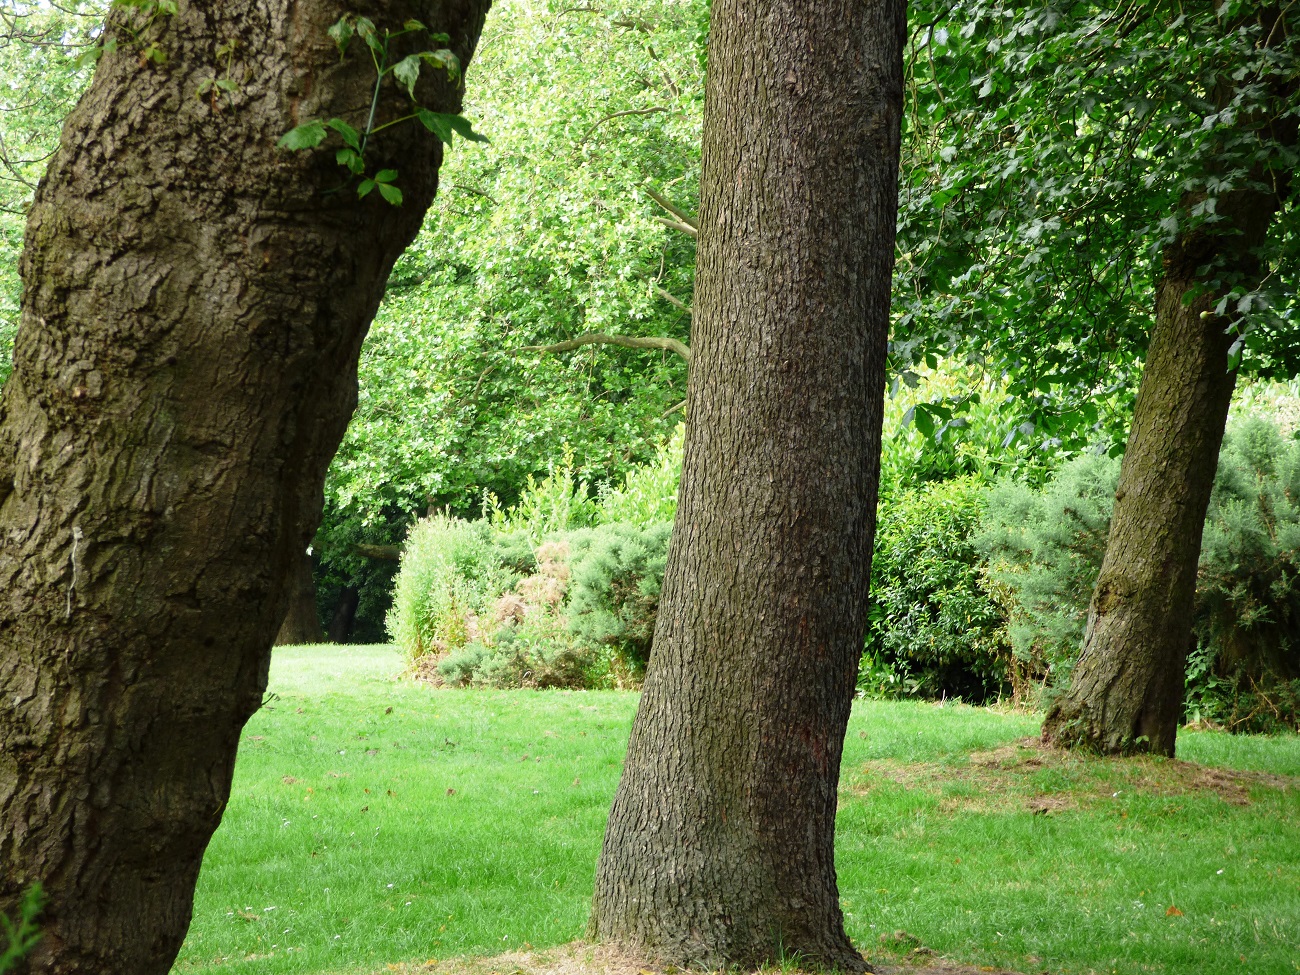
(194, 303)
(720, 843)
(301, 622)
(1126, 691)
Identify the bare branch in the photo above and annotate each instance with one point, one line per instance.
(626, 341)
(389, 553)
(671, 298)
(672, 208)
(631, 111)
(685, 228)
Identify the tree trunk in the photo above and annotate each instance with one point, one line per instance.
(345, 614)
(720, 843)
(301, 623)
(194, 304)
(1126, 692)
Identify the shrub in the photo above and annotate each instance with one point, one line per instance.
(1043, 551)
(648, 494)
(560, 502)
(449, 574)
(1245, 670)
(618, 572)
(932, 628)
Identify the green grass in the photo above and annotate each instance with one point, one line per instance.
(484, 814)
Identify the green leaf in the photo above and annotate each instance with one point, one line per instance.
(385, 175)
(413, 24)
(350, 135)
(351, 159)
(407, 72)
(924, 421)
(364, 188)
(437, 123)
(444, 59)
(464, 129)
(342, 32)
(390, 193)
(306, 136)
(366, 30)
(89, 56)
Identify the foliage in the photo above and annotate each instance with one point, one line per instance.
(405, 73)
(557, 503)
(618, 572)
(1044, 550)
(449, 575)
(543, 234)
(1245, 671)
(1049, 155)
(40, 44)
(932, 628)
(648, 493)
(21, 933)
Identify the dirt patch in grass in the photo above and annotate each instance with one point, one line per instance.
(579, 958)
(1030, 775)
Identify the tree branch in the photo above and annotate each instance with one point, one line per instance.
(626, 341)
(672, 208)
(390, 553)
(685, 228)
(672, 298)
(631, 111)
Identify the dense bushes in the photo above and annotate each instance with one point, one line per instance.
(933, 629)
(979, 590)
(560, 590)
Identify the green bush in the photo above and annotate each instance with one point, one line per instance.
(1043, 550)
(932, 628)
(450, 573)
(1245, 670)
(618, 573)
(648, 494)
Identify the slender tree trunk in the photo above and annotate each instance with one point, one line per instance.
(720, 844)
(345, 614)
(301, 622)
(194, 304)
(1126, 692)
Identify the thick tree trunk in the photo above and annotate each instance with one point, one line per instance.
(194, 303)
(1126, 692)
(301, 622)
(720, 844)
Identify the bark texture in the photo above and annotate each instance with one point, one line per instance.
(301, 622)
(194, 304)
(1126, 692)
(720, 843)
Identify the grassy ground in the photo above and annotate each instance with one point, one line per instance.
(375, 822)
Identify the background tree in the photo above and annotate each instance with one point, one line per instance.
(719, 847)
(1075, 171)
(194, 304)
(544, 234)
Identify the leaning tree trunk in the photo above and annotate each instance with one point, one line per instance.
(194, 304)
(720, 843)
(1126, 692)
(301, 621)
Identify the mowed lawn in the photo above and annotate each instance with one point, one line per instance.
(375, 821)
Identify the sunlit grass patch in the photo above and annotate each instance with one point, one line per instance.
(377, 822)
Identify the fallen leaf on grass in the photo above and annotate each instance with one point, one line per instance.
(289, 780)
(1173, 912)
